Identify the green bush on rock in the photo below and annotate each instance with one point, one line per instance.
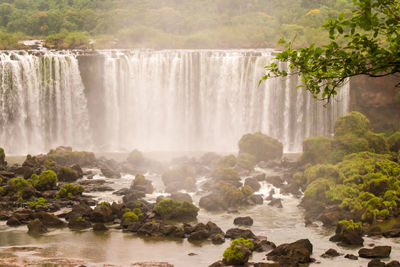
(238, 252)
(171, 209)
(21, 187)
(39, 202)
(315, 150)
(66, 174)
(377, 143)
(261, 146)
(46, 181)
(227, 161)
(353, 123)
(394, 142)
(69, 190)
(226, 174)
(2, 157)
(129, 217)
(246, 161)
(136, 158)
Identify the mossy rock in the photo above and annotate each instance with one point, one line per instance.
(327, 171)
(227, 174)
(394, 142)
(2, 157)
(64, 156)
(354, 123)
(232, 195)
(136, 158)
(46, 181)
(129, 216)
(66, 174)
(261, 146)
(317, 189)
(315, 150)
(179, 178)
(69, 190)
(171, 209)
(238, 252)
(377, 143)
(246, 161)
(227, 161)
(21, 187)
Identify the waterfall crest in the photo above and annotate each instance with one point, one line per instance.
(168, 100)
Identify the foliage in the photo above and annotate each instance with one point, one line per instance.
(130, 217)
(315, 150)
(69, 190)
(365, 42)
(354, 123)
(394, 142)
(377, 143)
(67, 174)
(227, 174)
(46, 181)
(350, 224)
(39, 202)
(233, 253)
(246, 190)
(261, 146)
(227, 161)
(180, 173)
(64, 156)
(2, 156)
(22, 187)
(231, 194)
(246, 161)
(171, 209)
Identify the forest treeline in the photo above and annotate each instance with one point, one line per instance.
(166, 23)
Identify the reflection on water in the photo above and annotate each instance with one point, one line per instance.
(115, 247)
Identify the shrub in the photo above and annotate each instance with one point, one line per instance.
(46, 181)
(69, 190)
(317, 189)
(327, 171)
(231, 194)
(246, 161)
(227, 174)
(39, 202)
(22, 187)
(261, 146)
(315, 150)
(130, 217)
(246, 190)
(65, 156)
(353, 123)
(377, 142)
(171, 209)
(227, 161)
(234, 255)
(350, 225)
(66, 174)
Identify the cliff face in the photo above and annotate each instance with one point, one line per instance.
(378, 99)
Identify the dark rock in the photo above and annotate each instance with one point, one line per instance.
(291, 188)
(259, 176)
(245, 253)
(270, 195)
(253, 183)
(100, 227)
(217, 239)
(276, 181)
(277, 203)
(235, 233)
(214, 229)
(200, 234)
(25, 171)
(348, 236)
(351, 257)
(110, 173)
(101, 214)
(213, 202)
(292, 254)
(248, 221)
(255, 199)
(217, 264)
(49, 220)
(262, 245)
(36, 227)
(149, 229)
(267, 264)
(121, 192)
(78, 170)
(330, 217)
(80, 210)
(13, 221)
(79, 223)
(394, 232)
(376, 252)
(181, 197)
(376, 263)
(393, 264)
(330, 253)
(374, 231)
(133, 226)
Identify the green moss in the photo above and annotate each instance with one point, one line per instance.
(227, 161)
(2, 156)
(350, 225)
(69, 190)
(227, 174)
(171, 209)
(327, 171)
(233, 252)
(246, 190)
(46, 181)
(377, 143)
(140, 179)
(354, 123)
(317, 189)
(231, 194)
(67, 174)
(130, 217)
(39, 202)
(261, 146)
(246, 161)
(80, 219)
(394, 142)
(138, 212)
(315, 150)
(64, 156)
(180, 173)
(22, 187)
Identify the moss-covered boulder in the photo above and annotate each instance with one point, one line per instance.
(180, 178)
(140, 183)
(65, 156)
(70, 190)
(2, 157)
(46, 181)
(66, 174)
(227, 161)
(377, 142)
(261, 146)
(21, 188)
(394, 142)
(136, 158)
(226, 174)
(171, 209)
(238, 252)
(246, 161)
(316, 150)
(353, 123)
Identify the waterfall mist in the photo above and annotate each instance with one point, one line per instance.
(168, 100)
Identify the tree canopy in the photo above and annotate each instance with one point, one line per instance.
(365, 42)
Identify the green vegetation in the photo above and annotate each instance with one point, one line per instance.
(261, 146)
(367, 42)
(227, 174)
(2, 155)
(350, 225)
(315, 150)
(69, 190)
(21, 187)
(166, 24)
(246, 161)
(64, 156)
(66, 174)
(171, 209)
(227, 161)
(39, 202)
(46, 181)
(130, 217)
(394, 142)
(234, 253)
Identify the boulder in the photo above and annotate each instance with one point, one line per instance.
(255, 199)
(235, 233)
(276, 181)
(49, 220)
(217, 239)
(393, 264)
(214, 229)
(330, 253)
(277, 203)
(80, 210)
(36, 227)
(348, 235)
(178, 196)
(213, 202)
(248, 221)
(262, 244)
(110, 173)
(292, 254)
(102, 213)
(241, 250)
(79, 223)
(376, 263)
(149, 229)
(376, 252)
(253, 183)
(351, 257)
(99, 227)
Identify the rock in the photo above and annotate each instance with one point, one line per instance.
(277, 203)
(49, 220)
(248, 221)
(376, 252)
(100, 227)
(214, 229)
(36, 227)
(376, 263)
(242, 254)
(79, 223)
(262, 245)
(291, 188)
(149, 229)
(109, 173)
(140, 183)
(351, 257)
(292, 254)
(66, 174)
(253, 183)
(270, 195)
(121, 192)
(217, 264)
(13, 221)
(217, 239)
(394, 232)
(213, 202)
(330, 253)
(348, 236)
(181, 197)
(276, 181)
(330, 217)
(235, 233)
(393, 264)
(102, 213)
(200, 234)
(255, 199)
(267, 264)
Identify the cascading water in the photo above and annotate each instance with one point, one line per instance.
(169, 100)
(42, 102)
(206, 100)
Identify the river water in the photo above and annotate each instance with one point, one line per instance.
(122, 249)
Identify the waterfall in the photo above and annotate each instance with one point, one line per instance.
(168, 100)
(202, 100)
(42, 102)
